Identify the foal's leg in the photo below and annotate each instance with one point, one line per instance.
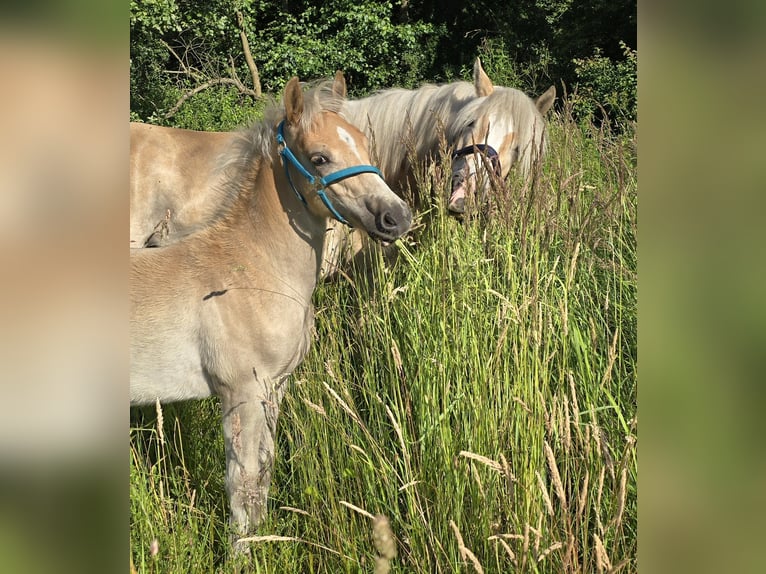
(249, 425)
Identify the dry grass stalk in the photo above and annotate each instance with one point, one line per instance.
(602, 558)
(538, 532)
(555, 475)
(621, 495)
(315, 407)
(572, 266)
(583, 496)
(359, 449)
(564, 305)
(477, 478)
(511, 536)
(406, 486)
(567, 427)
(357, 509)
(547, 551)
(293, 509)
(506, 547)
(611, 358)
(398, 429)
(525, 546)
(575, 405)
(343, 404)
(597, 436)
(523, 404)
(482, 459)
(466, 553)
(601, 476)
(160, 421)
(397, 359)
(544, 490)
(509, 477)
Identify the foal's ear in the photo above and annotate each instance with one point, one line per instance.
(339, 85)
(481, 80)
(545, 101)
(293, 99)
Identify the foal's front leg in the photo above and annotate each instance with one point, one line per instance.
(249, 425)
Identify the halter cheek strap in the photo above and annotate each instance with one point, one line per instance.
(321, 183)
(488, 150)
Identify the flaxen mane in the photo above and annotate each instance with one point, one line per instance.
(529, 125)
(401, 120)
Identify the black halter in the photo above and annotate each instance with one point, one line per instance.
(487, 150)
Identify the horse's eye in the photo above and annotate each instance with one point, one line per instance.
(319, 159)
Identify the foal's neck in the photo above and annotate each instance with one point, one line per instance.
(270, 220)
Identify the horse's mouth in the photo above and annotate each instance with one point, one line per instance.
(385, 241)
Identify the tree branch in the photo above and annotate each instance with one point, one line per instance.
(249, 56)
(186, 69)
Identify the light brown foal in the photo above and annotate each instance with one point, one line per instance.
(227, 310)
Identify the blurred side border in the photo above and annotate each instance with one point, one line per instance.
(702, 315)
(64, 105)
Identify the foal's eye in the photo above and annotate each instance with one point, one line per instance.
(319, 159)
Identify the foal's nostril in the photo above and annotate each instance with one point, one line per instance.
(389, 221)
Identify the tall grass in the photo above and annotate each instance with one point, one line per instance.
(479, 391)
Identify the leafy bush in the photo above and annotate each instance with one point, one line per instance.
(219, 108)
(359, 38)
(610, 83)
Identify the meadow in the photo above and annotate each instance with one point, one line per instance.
(478, 391)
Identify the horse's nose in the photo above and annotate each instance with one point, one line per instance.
(395, 221)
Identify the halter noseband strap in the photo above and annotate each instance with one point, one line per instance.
(488, 150)
(321, 183)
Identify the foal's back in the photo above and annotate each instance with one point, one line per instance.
(174, 179)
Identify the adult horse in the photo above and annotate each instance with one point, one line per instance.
(227, 310)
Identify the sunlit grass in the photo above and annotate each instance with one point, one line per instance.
(479, 391)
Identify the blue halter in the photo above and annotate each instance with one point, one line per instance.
(322, 183)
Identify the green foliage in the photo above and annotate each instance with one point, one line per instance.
(158, 15)
(311, 41)
(612, 84)
(219, 108)
(589, 47)
(359, 38)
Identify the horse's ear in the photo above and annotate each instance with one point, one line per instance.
(545, 102)
(339, 84)
(481, 80)
(293, 101)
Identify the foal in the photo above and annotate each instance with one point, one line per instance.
(227, 310)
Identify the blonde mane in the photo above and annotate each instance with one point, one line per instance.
(399, 120)
(528, 122)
